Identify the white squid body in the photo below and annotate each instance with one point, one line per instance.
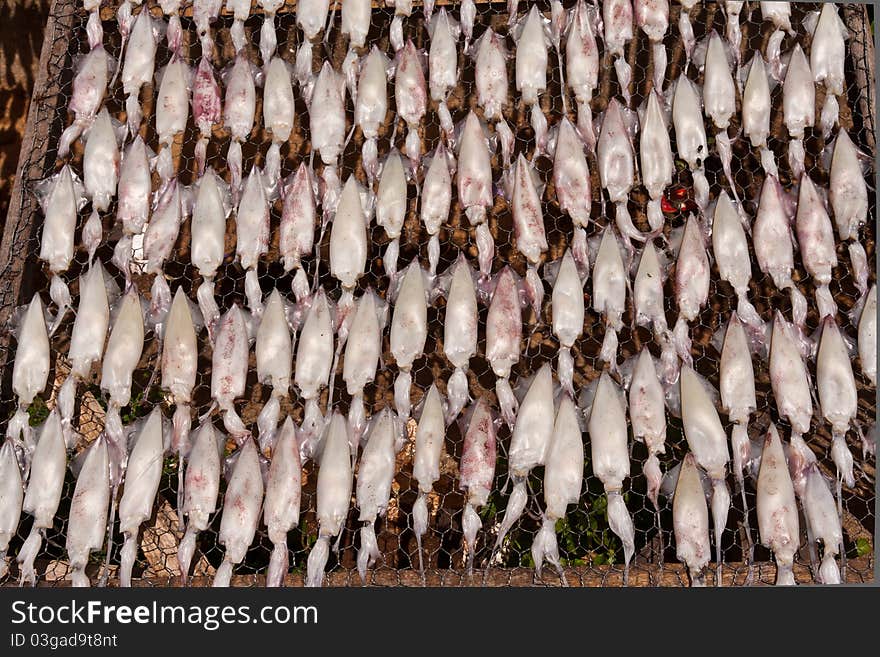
(838, 396)
(11, 496)
(563, 480)
(229, 367)
(278, 113)
(239, 108)
(868, 337)
(138, 66)
(571, 180)
(460, 333)
(490, 66)
(87, 522)
(123, 349)
(477, 472)
(648, 417)
(430, 434)
(311, 15)
(582, 65)
(690, 521)
(282, 503)
(777, 509)
(436, 200)
(821, 515)
(719, 91)
(241, 511)
(733, 31)
(274, 352)
(789, 377)
(690, 135)
(650, 310)
(798, 106)
(567, 310)
(738, 392)
(617, 16)
(827, 55)
(848, 194)
(691, 285)
(92, 320)
(101, 162)
(443, 64)
(609, 293)
(756, 110)
(658, 164)
(134, 188)
(411, 96)
(391, 207)
(334, 495)
(816, 240)
(314, 357)
(708, 442)
(375, 474)
(686, 29)
(43, 493)
(528, 224)
(467, 13)
(172, 110)
(348, 238)
(142, 475)
(362, 351)
(610, 459)
(371, 106)
(531, 71)
(409, 330)
(774, 248)
(327, 114)
(652, 16)
(731, 251)
(252, 233)
(207, 243)
(241, 10)
(180, 355)
(268, 39)
(503, 339)
(162, 231)
(474, 186)
(202, 484)
(355, 21)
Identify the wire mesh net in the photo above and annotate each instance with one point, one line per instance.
(591, 553)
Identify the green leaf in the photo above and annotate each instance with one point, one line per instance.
(863, 546)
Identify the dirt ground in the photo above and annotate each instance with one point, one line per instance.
(21, 36)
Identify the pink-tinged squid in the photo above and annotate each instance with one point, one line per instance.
(528, 224)
(459, 331)
(467, 13)
(409, 330)
(827, 55)
(363, 348)
(282, 504)
(161, 233)
(477, 472)
(142, 475)
(274, 351)
(138, 66)
(777, 509)
(241, 10)
(11, 497)
(868, 337)
(609, 293)
(241, 510)
(391, 208)
(756, 110)
(252, 235)
(229, 368)
(474, 186)
(374, 477)
(299, 215)
(89, 85)
(201, 486)
(238, 115)
(652, 16)
(207, 241)
(278, 114)
(335, 473)
(816, 241)
(690, 521)
(443, 65)
(430, 434)
(798, 107)
(411, 98)
(617, 16)
(571, 180)
(774, 243)
(650, 310)
(490, 76)
(647, 414)
(43, 494)
(172, 105)
(371, 106)
(563, 480)
(61, 197)
(504, 337)
(708, 442)
(690, 135)
(532, 42)
(691, 285)
(87, 522)
(567, 310)
(606, 425)
(314, 357)
(655, 156)
(436, 201)
(207, 108)
(582, 64)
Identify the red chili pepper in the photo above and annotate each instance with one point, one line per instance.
(666, 206)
